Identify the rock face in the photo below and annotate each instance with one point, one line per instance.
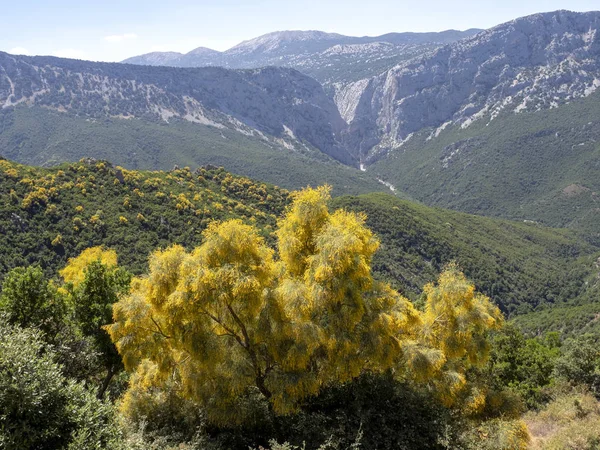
(540, 61)
(279, 104)
(328, 57)
(388, 87)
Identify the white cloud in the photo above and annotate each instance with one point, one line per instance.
(120, 37)
(19, 51)
(69, 53)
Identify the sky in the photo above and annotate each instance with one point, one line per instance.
(112, 30)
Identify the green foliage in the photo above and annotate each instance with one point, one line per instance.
(28, 300)
(93, 298)
(39, 407)
(383, 413)
(88, 198)
(577, 317)
(525, 366)
(520, 266)
(580, 362)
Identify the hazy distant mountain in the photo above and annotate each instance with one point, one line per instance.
(277, 103)
(161, 58)
(286, 43)
(328, 57)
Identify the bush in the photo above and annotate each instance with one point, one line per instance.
(523, 366)
(28, 299)
(160, 414)
(580, 363)
(39, 407)
(385, 413)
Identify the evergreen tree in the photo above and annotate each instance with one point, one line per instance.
(29, 300)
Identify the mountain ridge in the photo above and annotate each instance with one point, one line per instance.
(312, 52)
(537, 61)
(277, 37)
(277, 102)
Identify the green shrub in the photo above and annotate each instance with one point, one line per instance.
(523, 366)
(28, 300)
(580, 363)
(39, 407)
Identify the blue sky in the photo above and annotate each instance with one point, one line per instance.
(110, 30)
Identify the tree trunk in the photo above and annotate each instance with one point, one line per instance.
(109, 376)
(260, 384)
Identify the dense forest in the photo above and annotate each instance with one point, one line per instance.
(198, 309)
(522, 267)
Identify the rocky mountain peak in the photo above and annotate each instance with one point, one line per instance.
(203, 51)
(279, 40)
(534, 62)
(155, 59)
(327, 57)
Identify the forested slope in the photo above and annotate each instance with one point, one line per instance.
(49, 215)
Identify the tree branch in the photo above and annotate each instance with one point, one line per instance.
(160, 331)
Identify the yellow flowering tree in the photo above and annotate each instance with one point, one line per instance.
(454, 338)
(74, 271)
(234, 317)
(94, 283)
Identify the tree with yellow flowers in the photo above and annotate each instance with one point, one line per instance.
(234, 316)
(453, 338)
(94, 283)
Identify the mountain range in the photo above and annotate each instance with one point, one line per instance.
(330, 58)
(248, 120)
(501, 122)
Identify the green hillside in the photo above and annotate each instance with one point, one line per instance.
(569, 321)
(42, 137)
(520, 266)
(49, 215)
(540, 166)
